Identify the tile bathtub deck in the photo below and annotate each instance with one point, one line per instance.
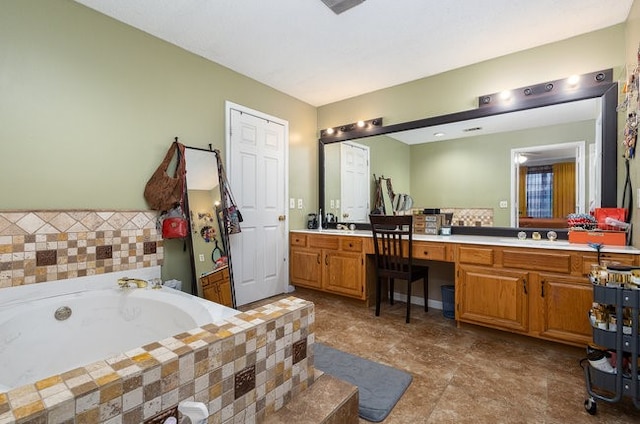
(463, 375)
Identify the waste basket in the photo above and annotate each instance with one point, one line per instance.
(448, 301)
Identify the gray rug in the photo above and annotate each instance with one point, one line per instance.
(379, 386)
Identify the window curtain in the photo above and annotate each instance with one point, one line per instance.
(539, 191)
(564, 189)
(522, 191)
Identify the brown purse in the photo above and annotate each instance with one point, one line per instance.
(162, 191)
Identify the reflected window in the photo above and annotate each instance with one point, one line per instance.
(539, 186)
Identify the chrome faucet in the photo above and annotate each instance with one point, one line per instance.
(126, 282)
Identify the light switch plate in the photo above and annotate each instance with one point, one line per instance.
(332, 204)
(292, 203)
(201, 257)
(299, 203)
(504, 204)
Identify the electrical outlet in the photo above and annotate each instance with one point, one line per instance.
(201, 257)
(299, 203)
(504, 204)
(292, 203)
(333, 204)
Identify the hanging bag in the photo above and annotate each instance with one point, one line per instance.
(163, 191)
(174, 224)
(231, 213)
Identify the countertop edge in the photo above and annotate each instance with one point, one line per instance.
(486, 240)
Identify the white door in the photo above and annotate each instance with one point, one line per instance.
(355, 182)
(257, 150)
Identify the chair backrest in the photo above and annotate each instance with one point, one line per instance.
(392, 241)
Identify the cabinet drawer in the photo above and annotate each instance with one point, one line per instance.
(538, 261)
(323, 242)
(588, 259)
(215, 277)
(434, 252)
(298, 240)
(351, 244)
(475, 255)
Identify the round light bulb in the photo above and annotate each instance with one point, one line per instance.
(360, 124)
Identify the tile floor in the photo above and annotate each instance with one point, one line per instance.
(463, 375)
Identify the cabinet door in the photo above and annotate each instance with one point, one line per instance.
(344, 273)
(306, 268)
(210, 291)
(564, 307)
(494, 297)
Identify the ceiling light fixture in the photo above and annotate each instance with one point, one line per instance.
(438, 134)
(354, 129)
(505, 95)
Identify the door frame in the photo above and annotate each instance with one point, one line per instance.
(228, 107)
(580, 161)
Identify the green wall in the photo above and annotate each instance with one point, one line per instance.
(89, 106)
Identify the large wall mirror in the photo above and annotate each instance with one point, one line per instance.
(209, 241)
(483, 163)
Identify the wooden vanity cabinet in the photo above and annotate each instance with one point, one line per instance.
(563, 305)
(216, 287)
(329, 263)
(493, 297)
(543, 293)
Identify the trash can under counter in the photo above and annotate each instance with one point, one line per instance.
(448, 301)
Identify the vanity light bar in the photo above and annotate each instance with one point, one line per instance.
(354, 128)
(573, 82)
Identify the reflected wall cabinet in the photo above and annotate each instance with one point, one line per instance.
(216, 286)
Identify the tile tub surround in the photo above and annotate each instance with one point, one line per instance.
(243, 371)
(40, 246)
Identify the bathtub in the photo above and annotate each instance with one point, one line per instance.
(104, 321)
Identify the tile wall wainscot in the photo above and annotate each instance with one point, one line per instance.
(40, 246)
(243, 370)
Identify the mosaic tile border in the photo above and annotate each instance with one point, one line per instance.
(202, 365)
(40, 246)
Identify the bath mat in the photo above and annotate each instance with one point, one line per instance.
(379, 386)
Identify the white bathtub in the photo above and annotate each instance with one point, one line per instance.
(105, 320)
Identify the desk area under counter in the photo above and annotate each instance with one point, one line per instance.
(533, 287)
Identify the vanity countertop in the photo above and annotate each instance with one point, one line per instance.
(488, 240)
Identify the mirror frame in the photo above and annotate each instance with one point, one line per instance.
(606, 89)
(223, 230)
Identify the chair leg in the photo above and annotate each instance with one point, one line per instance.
(409, 283)
(391, 290)
(378, 290)
(426, 291)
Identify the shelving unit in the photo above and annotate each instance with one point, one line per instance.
(613, 387)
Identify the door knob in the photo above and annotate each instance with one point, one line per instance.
(281, 217)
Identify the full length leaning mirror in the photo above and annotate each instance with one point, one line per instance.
(208, 240)
(474, 160)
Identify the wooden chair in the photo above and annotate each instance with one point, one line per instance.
(392, 240)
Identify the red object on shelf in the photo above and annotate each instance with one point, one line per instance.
(608, 238)
(601, 214)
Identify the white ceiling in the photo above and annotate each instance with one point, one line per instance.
(563, 113)
(302, 48)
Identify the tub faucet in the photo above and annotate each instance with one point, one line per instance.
(126, 282)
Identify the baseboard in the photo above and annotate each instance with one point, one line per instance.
(435, 304)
